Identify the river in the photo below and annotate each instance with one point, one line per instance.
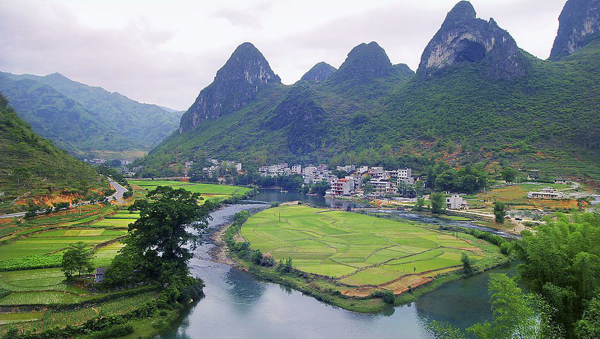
(237, 305)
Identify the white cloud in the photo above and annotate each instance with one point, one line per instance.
(165, 52)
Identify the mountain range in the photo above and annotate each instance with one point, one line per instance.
(476, 96)
(84, 120)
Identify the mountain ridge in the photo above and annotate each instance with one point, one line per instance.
(506, 106)
(111, 121)
(244, 74)
(579, 25)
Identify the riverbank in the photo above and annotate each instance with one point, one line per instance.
(335, 291)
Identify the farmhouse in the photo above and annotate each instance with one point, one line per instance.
(561, 181)
(100, 274)
(456, 202)
(546, 193)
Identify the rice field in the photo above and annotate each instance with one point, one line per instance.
(55, 241)
(205, 190)
(36, 280)
(356, 249)
(105, 254)
(42, 321)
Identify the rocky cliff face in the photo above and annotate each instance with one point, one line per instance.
(464, 39)
(244, 75)
(364, 62)
(319, 72)
(579, 25)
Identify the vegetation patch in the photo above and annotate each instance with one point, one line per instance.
(355, 255)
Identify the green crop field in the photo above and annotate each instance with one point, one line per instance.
(203, 189)
(358, 249)
(36, 280)
(13, 318)
(117, 223)
(105, 254)
(52, 241)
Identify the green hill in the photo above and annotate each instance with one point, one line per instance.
(34, 169)
(476, 97)
(85, 120)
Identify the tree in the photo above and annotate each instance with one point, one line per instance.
(77, 259)
(509, 174)
(438, 203)
(514, 312)
(499, 211)
(320, 187)
(256, 257)
(170, 220)
(447, 180)
(561, 262)
(420, 204)
(467, 264)
(589, 325)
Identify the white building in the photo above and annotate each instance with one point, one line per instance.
(404, 173)
(380, 187)
(362, 169)
(546, 193)
(297, 169)
(347, 168)
(376, 172)
(456, 202)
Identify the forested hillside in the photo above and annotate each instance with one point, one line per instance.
(32, 168)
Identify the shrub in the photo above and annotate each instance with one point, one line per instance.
(114, 332)
(388, 296)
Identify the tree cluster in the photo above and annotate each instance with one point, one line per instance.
(468, 179)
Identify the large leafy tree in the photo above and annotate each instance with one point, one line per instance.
(438, 203)
(170, 226)
(499, 212)
(77, 259)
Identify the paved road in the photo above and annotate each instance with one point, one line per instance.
(120, 190)
(118, 196)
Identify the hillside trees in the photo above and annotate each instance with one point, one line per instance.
(561, 262)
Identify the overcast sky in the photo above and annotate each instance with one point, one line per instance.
(165, 52)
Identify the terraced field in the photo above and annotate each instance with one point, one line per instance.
(359, 250)
(21, 259)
